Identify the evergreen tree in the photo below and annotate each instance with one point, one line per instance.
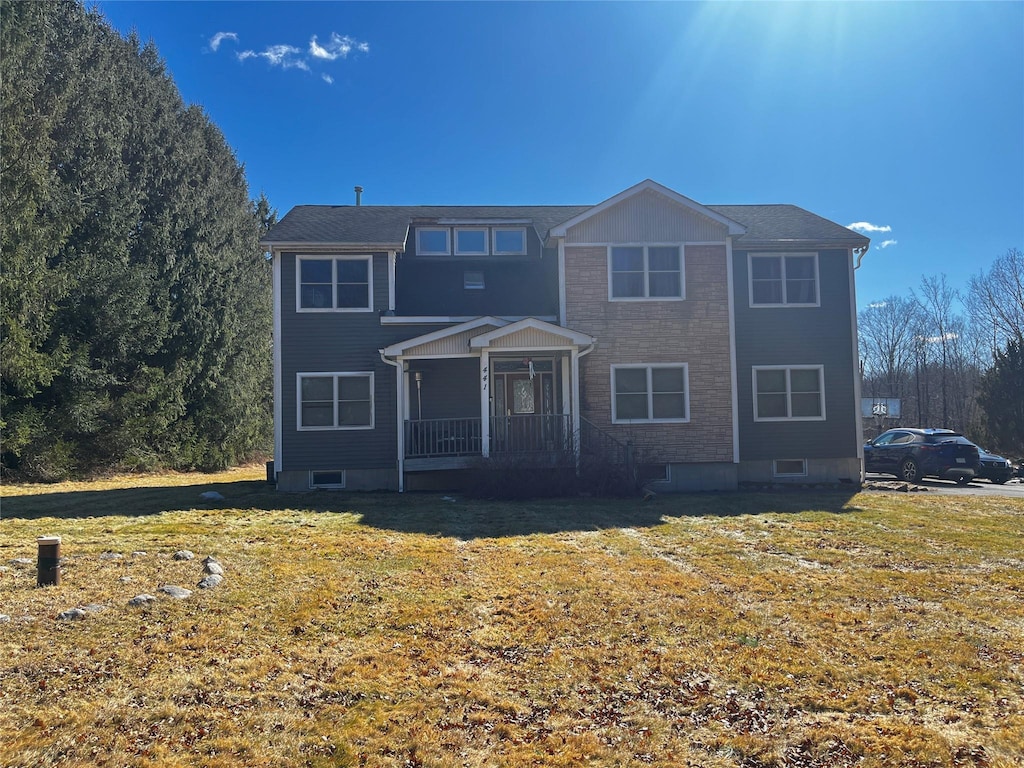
(136, 302)
(1002, 399)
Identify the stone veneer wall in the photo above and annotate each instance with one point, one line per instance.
(693, 331)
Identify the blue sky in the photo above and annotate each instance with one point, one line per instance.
(905, 117)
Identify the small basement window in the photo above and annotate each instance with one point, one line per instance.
(473, 281)
(332, 479)
(789, 468)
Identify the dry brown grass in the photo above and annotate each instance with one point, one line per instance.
(746, 630)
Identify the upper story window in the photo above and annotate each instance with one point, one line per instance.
(650, 393)
(509, 241)
(334, 284)
(433, 241)
(645, 272)
(783, 279)
(335, 401)
(471, 241)
(789, 393)
(473, 281)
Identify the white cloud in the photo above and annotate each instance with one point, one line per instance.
(878, 304)
(864, 226)
(284, 56)
(936, 339)
(291, 57)
(220, 37)
(339, 47)
(886, 244)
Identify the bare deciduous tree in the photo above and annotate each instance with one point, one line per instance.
(996, 299)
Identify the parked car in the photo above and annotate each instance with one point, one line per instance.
(911, 454)
(995, 469)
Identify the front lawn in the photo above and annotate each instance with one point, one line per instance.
(790, 629)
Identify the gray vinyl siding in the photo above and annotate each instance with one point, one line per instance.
(337, 342)
(799, 336)
(450, 388)
(517, 286)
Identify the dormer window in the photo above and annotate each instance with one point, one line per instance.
(433, 241)
(509, 241)
(471, 241)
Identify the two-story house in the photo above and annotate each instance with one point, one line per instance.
(412, 343)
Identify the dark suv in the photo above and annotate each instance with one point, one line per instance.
(911, 454)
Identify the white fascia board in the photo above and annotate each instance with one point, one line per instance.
(733, 227)
(483, 222)
(442, 319)
(399, 349)
(306, 246)
(574, 338)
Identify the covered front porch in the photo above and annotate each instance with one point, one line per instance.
(488, 389)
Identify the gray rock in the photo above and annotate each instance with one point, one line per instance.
(183, 554)
(211, 496)
(74, 614)
(93, 607)
(141, 599)
(213, 580)
(125, 579)
(4, 618)
(212, 566)
(179, 593)
(111, 556)
(22, 561)
(138, 553)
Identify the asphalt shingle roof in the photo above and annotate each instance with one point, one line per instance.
(389, 224)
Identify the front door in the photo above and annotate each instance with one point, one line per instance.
(522, 407)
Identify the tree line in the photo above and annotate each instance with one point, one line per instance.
(955, 359)
(135, 307)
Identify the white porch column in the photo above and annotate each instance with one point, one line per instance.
(400, 409)
(485, 404)
(575, 406)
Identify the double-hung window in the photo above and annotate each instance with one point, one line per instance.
(789, 393)
(337, 283)
(645, 272)
(650, 393)
(783, 279)
(335, 401)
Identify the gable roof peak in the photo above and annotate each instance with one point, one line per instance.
(733, 227)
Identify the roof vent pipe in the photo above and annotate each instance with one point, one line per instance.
(359, 195)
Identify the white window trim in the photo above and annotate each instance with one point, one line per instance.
(421, 251)
(782, 261)
(335, 375)
(494, 241)
(647, 272)
(650, 398)
(328, 486)
(487, 239)
(789, 391)
(776, 473)
(334, 259)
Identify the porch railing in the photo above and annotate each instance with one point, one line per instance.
(531, 433)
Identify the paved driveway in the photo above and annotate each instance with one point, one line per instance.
(1014, 488)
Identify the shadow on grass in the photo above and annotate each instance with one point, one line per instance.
(433, 514)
